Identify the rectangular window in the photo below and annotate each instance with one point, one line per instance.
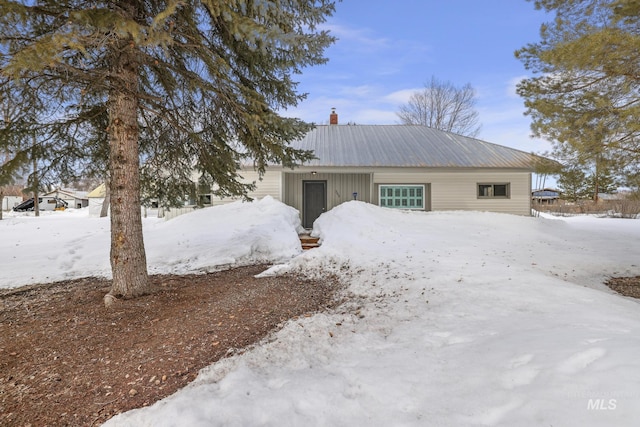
(494, 191)
(402, 196)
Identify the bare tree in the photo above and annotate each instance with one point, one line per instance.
(441, 105)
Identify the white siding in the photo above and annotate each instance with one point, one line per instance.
(458, 190)
(10, 202)
(269, 186)
(446, 190)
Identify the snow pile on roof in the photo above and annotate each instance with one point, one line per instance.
(458, 318)
(69, 244)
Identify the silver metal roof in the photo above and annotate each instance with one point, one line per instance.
(406, 146)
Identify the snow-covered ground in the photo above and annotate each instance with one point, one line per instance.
(70, 244)
(455, 318)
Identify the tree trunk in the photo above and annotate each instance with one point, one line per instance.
(1, 203)
(36, 182)
(128, 259)
(596, 181)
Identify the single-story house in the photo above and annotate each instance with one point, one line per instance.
(399, 166)
(546, 196)
(74, 199)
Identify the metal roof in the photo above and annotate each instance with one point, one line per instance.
(406, 146)
(545, 193)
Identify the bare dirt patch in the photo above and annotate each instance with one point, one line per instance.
(627, 286)
(67, 360)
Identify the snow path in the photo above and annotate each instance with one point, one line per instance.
(456, 318)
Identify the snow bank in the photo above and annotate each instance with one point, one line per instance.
(235, 234)
(52, 247)
(70, 244)
(457, 318)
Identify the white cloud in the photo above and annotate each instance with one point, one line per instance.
(364, 52)
(400, 96)
(502, 113)
(359, 91)
(373, 116)
(359, 36)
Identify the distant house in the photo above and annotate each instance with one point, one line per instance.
(10, 202)
(96, 199)
(74, 199)
(400, 167)
(12, 197)
(545, 196)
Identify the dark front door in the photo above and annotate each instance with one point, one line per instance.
(314, 197)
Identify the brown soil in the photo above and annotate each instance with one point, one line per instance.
(627, 286)
(67, 360)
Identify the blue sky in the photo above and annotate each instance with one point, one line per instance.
(388, 49)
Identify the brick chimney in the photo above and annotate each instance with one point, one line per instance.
(333, 117)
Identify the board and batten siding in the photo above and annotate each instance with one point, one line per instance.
(459, 190)
(340, 187)
(270, 185)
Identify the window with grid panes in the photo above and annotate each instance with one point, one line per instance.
(401, 196)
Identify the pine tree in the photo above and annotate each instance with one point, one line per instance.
(195, 84)
(601, 181)
(572, 183)
(586, 97)
(17, 112)
(631, 180)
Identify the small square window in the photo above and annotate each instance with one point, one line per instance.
(497, 191)
(500, 190)
(485, 190)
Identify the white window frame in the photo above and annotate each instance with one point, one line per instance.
(490, 186)
(400, 197)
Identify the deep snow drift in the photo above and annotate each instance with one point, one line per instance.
(455, 318)
(67, 245)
